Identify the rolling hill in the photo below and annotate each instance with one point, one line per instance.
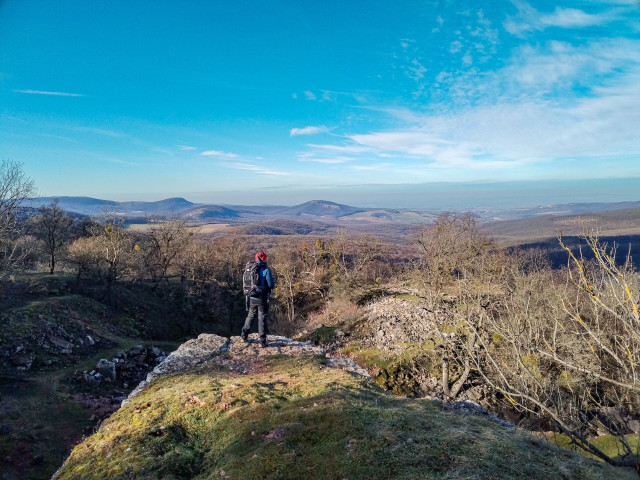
(210, 212)
(318, 208)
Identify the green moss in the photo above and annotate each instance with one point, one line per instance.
(296, 419)
(459, 328)
(608, 444)
(371, 295)
(320, 336)
(407, 297)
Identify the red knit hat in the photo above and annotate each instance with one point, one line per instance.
(261, 257)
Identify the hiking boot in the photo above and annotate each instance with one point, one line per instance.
(263, 343)
(244, 336)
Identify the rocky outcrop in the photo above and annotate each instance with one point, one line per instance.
(240, 356)
(127, 368)
(393, 322)
(48, 344)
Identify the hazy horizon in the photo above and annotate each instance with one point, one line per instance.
(440, 195)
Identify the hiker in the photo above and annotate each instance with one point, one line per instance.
(257, 283)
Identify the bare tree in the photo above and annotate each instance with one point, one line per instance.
(451, 244)
(195, 262)
(53, 225)
(85, 254)
(231, 255)
(166, 239)
(15, 188)
(570, 352)
(116, 246)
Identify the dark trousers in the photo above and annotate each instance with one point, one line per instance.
(258, 308)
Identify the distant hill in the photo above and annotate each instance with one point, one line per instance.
(609, 222)
(318, 208)
(84, 205)
(169, 205)
(210, 212)
(96, 206)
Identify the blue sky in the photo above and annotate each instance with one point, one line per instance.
(209, 99)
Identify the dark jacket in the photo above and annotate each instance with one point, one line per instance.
(267, 282)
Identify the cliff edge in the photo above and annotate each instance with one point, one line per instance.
(220, 408)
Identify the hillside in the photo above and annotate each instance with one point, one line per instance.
(219, 409)
(68, 359)
(318, 208)
(624, 221)
(285, 227)
(209, 212)
(95, 206)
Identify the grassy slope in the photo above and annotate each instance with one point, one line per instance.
(41, 420)
(292, 418)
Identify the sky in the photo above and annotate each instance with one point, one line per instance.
(286, 101)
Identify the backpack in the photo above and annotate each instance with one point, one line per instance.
(251, 280)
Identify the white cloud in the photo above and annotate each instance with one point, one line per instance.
(571, 17)
(42, 92)
(510, 135)
(219, 154)
(310, 95)
(455, 46)
(325, 160)
(186, 147)
(254, 168)
(307, 131)
(353, 149)
(102, 131)
(529, 19)
(563, 65)
(416, 70)
(376, 166)
(527, 114)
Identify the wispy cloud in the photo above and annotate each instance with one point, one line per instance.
(219, 154)
(529, 19)
(375, 166)
(326, 160)
(56, 94)
(511, 135)
(103, 132)
(186, 147)
(307, 131)
(353, 149)
(254, 168)
(309, 95)
(536, 109)
(572, 18)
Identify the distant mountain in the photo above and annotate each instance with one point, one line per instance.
(95, 206)
(169, 205)
(318, 208)
(209, 212)
(83, 205)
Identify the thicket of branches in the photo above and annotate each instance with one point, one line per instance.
(562, 345)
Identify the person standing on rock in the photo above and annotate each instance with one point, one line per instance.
(257, 284)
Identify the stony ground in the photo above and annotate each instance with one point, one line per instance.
(238, 356)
